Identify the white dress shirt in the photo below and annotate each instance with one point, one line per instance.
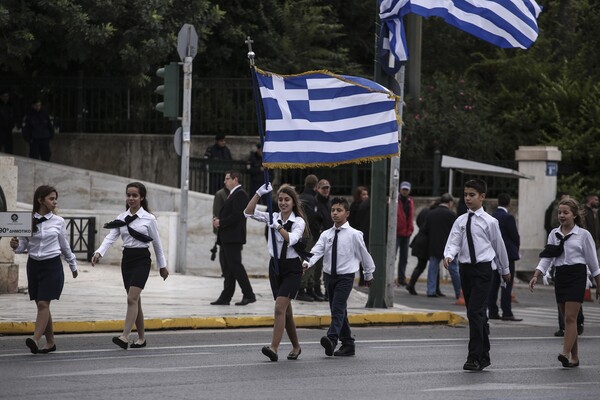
(49, 241)
(294, 236)
(487, 240)
(579, 249)
(145, 223)
(351, 251)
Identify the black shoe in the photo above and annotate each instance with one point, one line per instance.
(316, 296)
(267, 351)
(117, 340)
(485, 362)
(245, 301)
(411, 290)
(494, 316)
(303, 296)
(48, 350)
(220, 302)
(564, 361)
(440, 294)
(135, 345)
(432, 295)
(472, 365)
(559, 333)
(327, 345)
(319, 296)
(580, 329)
(345, 351)
(29, 342)
(294, 356)
(511, 318)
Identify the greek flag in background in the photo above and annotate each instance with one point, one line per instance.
(504, 23)
(319, 118)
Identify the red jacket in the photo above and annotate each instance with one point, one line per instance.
(404, 226)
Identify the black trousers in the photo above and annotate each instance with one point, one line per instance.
(505, 293)
(40, 149)
(234, 271)
(476, 280)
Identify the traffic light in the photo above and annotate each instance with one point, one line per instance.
(169, 90)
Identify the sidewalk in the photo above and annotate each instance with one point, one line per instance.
(96, 302)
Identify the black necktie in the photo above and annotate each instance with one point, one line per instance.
(288, 227)
(37, 221)
(117, 223)
(470, 240)
(334, 254)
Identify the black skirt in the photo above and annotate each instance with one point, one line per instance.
(569, 282)
(287, 282)
(135, 267)
(45, 279)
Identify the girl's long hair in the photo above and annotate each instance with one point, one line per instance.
(40, 193)
(297, 208)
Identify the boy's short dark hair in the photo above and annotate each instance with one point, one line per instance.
(478, 184)
(341, 201)
(503, 199)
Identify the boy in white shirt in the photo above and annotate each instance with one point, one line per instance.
(343, 250)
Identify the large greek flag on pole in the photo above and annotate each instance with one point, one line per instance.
(504, 23)
(319, 118)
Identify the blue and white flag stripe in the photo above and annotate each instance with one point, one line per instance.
(504, 23)
(320, 118)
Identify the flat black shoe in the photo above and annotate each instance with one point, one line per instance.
(345, 351)
(411, 290)
(512, 318)
(267, 351)
(220, 302)
(29, 342)
(327, 345)
(245, 301)
(117, 340)
(294, 356)
(559, 333)
(135, 345)
(432, 295)
(484, 364)
(472, 365)
(565, 361)
(440, 294)
(494, 316)
(48, 350)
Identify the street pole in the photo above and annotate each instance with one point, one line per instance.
(185, 165)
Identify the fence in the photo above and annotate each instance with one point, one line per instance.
(82, 235)
(112, 105)
(204, 174)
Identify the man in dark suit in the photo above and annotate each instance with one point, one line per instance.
(231, 236)
(512, 241)
(438, 225)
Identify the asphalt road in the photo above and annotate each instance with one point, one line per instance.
(404, 362)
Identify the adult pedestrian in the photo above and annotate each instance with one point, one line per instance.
(137, 227)
(218, 151)
(231, 237)
(572, 251)
(288, 232)
(7, 122)
(361, 194)
(38, 131)
(591, 220)
(512, 242)
(404, 229)
(309, 208)
(323, 200)
(419, 246)
(437, 228)
(218, 202)
(45, 276)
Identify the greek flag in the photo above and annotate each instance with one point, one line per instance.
(322, 119)
(504, 23)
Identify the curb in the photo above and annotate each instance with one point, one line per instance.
(302, 321)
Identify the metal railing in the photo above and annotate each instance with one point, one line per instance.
(82, 235)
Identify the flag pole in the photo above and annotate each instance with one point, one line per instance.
(261, 134)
